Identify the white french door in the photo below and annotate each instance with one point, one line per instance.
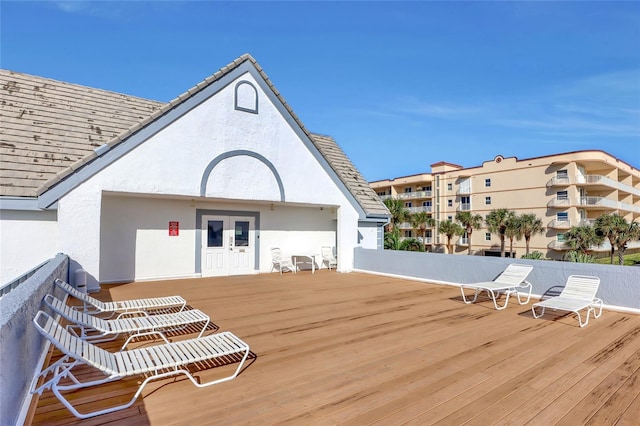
(228, 245)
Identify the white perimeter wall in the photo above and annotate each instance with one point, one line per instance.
(27, 238)
(135, 242)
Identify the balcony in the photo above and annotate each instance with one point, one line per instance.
(587, 222)
(385, 197)
(558, 245)
(593, 202)
(596, 180)
(414, 195)
(462, 242)
(464, 207)
(420, 209)
(559, 202)
(559, 224)
(593, 180)
(559, 181)
(463, 190)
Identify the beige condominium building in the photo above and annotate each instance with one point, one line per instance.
(563, 190)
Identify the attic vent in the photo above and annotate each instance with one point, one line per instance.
(102, 149)
(246, 97)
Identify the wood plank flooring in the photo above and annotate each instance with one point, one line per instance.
(362, 349)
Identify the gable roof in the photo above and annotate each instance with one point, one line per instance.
(79, 122)
(48, 125)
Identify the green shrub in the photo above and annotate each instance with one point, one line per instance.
(533, 255)
(578, 257)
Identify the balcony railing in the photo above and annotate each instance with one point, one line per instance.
(600, 202)
(559, 224)
(558, 245)
(384, 197)
(413, 195)
(463, 190)
(462, 241)
(606, 181)
(464, 207)
(559, 202)
(559, 181)
(420, 209)
(586, 222)
(593, 180)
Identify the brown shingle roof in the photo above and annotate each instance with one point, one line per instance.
(50, 129)
(47, 125)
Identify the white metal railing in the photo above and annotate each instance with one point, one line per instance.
(594, 180)
(464, 190)
(405, 225)
(606, 181)
(420, 209)
(12, 285)
(559, 202)
(417, 194)
(462, 241)
(561, 181)
(384, 197)
(558, 245)
(560, 224)
(464, 207)
(586, 222)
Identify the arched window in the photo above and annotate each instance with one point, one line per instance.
(246, 97)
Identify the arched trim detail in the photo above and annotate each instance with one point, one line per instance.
(246, 105)
(238, 153)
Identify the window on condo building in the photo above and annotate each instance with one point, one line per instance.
(487, 182)
(407, 234)
(562, 216)
(487, 200)
(407, 190)
(562, 195)
(449, 187)
(449, 203)
(407, 204)
(450, 218)
(487, 236)
(383, 193)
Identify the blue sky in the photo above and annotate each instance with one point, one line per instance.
(400, 85)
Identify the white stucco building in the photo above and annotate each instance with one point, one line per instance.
(205, 185)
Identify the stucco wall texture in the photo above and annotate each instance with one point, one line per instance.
(20, 344)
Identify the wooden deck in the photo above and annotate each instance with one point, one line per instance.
(360, 349)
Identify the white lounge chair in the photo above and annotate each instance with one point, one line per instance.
(133, 305)
(512, 281)
(155, 362)
(97, 330)
(578, 294)
(328, 257)
(279, 263)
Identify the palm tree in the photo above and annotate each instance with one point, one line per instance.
(608, 226)
(422, 220)
(497, 224)
(469, 222)
(399, 213)
(530, 225)
(513, 230)
(626, 232)
(582, 238)
(450, 229)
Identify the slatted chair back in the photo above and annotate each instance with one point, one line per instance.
(73, 315)
(80, 295)
(73, 346)
(581, 287)
(514, 274)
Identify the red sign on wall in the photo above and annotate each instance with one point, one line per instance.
(174, 229)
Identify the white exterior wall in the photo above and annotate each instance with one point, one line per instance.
(172, 163)
(27, 238)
